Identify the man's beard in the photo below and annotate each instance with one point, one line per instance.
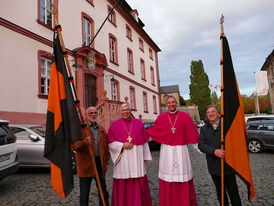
(93, 119)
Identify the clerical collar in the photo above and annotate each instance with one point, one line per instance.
(173, 112)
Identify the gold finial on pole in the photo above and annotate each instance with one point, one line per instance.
(222, 19)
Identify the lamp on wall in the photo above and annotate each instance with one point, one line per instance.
(111, 77)
(75, 68)
(75, 65)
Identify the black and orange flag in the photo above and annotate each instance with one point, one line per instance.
(63, 125)
(235, 133)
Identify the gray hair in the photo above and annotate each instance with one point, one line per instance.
(171, 96)
(90, 108)
(214, 106)
(125, 104)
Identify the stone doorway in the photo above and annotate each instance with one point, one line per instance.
(90, 91)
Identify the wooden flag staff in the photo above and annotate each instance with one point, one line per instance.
(222, 111)
(86, 131)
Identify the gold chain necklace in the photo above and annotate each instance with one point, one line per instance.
(172, 125)
(129, 138)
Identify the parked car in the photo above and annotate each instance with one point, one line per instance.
(200, 123)
(152, 144)
(30, 144)
(259, 117)
(148, 124)
(8, 150)
(260, 135)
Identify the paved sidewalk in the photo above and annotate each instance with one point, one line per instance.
(32, 187)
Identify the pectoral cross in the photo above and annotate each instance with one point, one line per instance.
(129, 139)
(173, 129)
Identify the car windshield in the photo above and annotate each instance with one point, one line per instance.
(39, 130)
(148, 124)
(259, 118)
(251, 127)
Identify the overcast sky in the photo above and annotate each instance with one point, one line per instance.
(187, 30)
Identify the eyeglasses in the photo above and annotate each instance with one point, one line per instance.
(125, 110)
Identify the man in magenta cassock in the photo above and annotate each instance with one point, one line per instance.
(129, 150)
(175, 130)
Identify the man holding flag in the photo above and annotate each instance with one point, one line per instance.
(64, 127)
(209, 143)
(233, 129)
(99, 144)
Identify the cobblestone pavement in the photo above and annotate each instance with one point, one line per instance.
(32, 187)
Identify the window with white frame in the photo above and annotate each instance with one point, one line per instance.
(145, 102)
(86, 31)
(114, 90)
(154, 105)
(130, 61)
(45, 75)
(141, 44)
(152, 76)
(143, 73)
(112, 16)
(128, 32)
(132, 98)
(45, 12)
(150, 53)
(112, 47)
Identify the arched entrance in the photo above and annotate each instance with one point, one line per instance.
(90, 83)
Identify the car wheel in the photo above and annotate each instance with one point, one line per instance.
(74, 166)
(254, 146)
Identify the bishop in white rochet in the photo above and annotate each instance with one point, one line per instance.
(128, 145)
(175, 130)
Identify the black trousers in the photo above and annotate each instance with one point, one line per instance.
(230, 187)
(85, 186)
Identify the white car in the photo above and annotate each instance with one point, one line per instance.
(259, 117)
(30, 143)
(8, 150)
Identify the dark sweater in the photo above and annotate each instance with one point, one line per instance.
(209, 141)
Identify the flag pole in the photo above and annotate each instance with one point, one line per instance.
(86, 131)
(222, 111)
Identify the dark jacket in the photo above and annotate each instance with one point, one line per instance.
(83, 160)
(209, 140)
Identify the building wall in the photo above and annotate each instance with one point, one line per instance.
(269, 67)
(24, 14)
(20, 46)
(19, 73)
(102, 44)
(270, 76)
